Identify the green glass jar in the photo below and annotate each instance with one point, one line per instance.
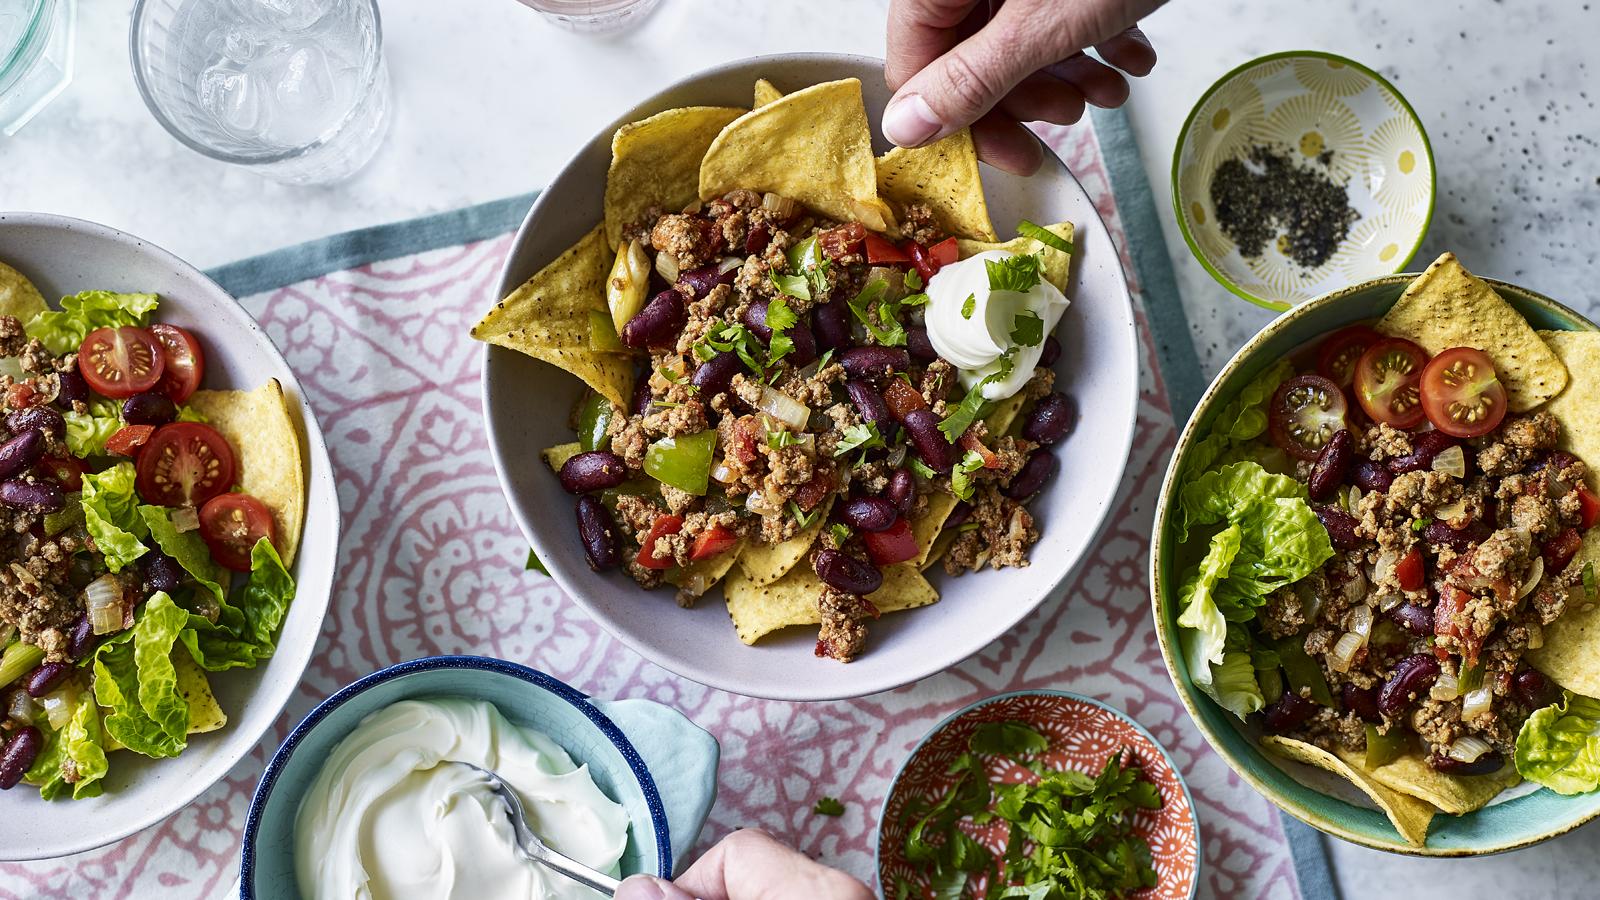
(36, 40)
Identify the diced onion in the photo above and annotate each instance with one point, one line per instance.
(185, 518)
(1344, 651)
(1468, 748)
(1453, 513)
(1474, 704)
(667, 266)
(1387, 602)
(721, 472)
(1451, 461)
(1361, 622)
(757, 503)
(1535, 636)
(1535, 575)
(21, 707)
(103, 601)
(1445, 687)
(728, 264)
(1383, 567)
(1353, 501)
(59, 704)
(780, 207)
(784, 408)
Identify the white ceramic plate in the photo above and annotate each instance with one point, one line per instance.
(63, 256)
(526, 404)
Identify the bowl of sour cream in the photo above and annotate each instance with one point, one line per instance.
(362, 799)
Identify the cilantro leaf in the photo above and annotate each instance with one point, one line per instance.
(675, 378)
(841, 533)
(534, 564)
(1044, 236)
(828, 806)
(1021, 273)
(779, 316)
(890, 333)
(801, 516)
(971, 406)
(1027, 329)
(913, 280)
(864, 437)
(1007, 739)
(920, 467)
(961, 476)
(968, 305)
(795, 286)
(779, 438)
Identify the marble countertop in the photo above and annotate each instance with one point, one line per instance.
(489, 100)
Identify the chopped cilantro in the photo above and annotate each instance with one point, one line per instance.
(1589, 580)
(675, 378)
(801, 516)
(828, 806)
(780, 318)
(961, 476)
(735, 338)
(533, 564)
(859, 437)
(890, 332)
(968, 305)
(915, 300)
(1419, 525)
(807, 259)
(1027, 329)
(1044, 236)
(779, 439)
(1007, 739)
(957, 422)
(920, 467)
(1021, 273)
(795, 286)
(913, 280)
(841, 533)
(665, 404)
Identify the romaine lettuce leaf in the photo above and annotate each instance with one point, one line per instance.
(79, 742)
(1208, 629)
(1228, 493)
(1559, 746)
(1244, 419)
(87, 431)
(63, 331)
(1232, 682)
(187, 548)
(111, 515)
(245, 631)
(135, 680)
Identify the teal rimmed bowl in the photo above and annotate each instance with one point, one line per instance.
(1511, 824)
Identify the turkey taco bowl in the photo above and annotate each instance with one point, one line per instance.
(1372, 564)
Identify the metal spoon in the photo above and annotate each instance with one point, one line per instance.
(534, 848)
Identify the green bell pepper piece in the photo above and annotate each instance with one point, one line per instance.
(594, 418)
(683, 462)
(1302, 671)
(1382, 748)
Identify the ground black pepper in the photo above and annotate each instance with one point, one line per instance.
(1265, 193)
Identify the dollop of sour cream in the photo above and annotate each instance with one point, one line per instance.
(389, 818)
(973, 337)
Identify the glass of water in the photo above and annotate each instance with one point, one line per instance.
(597, 16)
(295, 89)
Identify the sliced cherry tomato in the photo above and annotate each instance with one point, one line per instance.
(711, 542)
(969, 441)
(880, 250)
(892, 545)
(231, 524)
(66, 470)
(1461, 394)
(185, 464)
(1387, 382)
(663, 525)
(1559, 550)
(902, 398)
(127, 440)
(121, 362)
(1588, 508)
(1411, 571)
(1339, 352)
(183, 363)
(1305, 413)
(944, 253)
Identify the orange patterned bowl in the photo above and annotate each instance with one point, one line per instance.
(1083, 732)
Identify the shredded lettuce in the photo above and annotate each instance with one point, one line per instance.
(87, 431)
(63, 331)
(134, 679)
(110, 513)
(1559, 746)
(1242, 420)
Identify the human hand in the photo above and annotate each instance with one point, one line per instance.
(749, 865)
(994, 64)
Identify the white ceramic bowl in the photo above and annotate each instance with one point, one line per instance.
(63, 256)
(526, 404)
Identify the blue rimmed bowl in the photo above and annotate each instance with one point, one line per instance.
(660, 766)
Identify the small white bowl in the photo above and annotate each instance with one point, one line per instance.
(64, 256)
(526, 405)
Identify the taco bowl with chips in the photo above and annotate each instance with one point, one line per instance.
(1372, 561)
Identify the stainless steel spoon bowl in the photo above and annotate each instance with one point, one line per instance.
(534, 848)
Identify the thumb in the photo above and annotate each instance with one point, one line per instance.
(648, 887)
(965, 82)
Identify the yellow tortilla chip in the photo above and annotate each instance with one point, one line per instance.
(1409, 815)
(1447, 306)
(766, 563)
(547, 318)
(1578, 404)
(18, 296)
(759, 610)
(702, 576)
(765, 93)
(1570, 653)
(1454, 794)
(557, 456)
(204, 712)
(927, 526)
(1057, 265)
(813, 146)
(265, 436)
(943, 175)
(656, 162)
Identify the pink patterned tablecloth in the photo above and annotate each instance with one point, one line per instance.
(434, 564)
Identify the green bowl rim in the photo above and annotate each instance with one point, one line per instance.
(1158, 600)
(1183, 140)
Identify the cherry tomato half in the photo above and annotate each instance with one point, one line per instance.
(184, 364)
(185, 464)
(711, 542)
(892, 545)
(66, 470)
(1305, 413)
(230, 524)
(1387, 382)
(1461, 394)
(121, 362)
(663, 525)
(1339, 353)
(880, 251)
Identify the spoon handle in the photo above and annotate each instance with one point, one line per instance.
(575, 870)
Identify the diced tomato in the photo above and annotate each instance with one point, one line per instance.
(128, 439)
(1588, 508)
(1559, 550)
(66, 470)
(841, 241)
(1447, 622)
(711, 542)
(1411, 571)
(902, 398)
(944, 253)
(970, 441)
(21, 396)
(880, 251)
(742, 447)
(663, 525)
(892, 545)
(813, 492)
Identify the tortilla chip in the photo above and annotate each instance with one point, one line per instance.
(1570, 654)
(1454, 794)
(1409, 815)
(766, 563)
(18, 296)
(547, 318)
(557, 456)
(1578, 405)
(941, 546)
(268, 464)
(758, 610)
(813, 146)
(943, 175)
(656, 162)
(700, 577)
(204, 712)
(765, 93)
(1057, 265)
(1447, 306)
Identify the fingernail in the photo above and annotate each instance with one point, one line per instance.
(910, 122)
(646, 887)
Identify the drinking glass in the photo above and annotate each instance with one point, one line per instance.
(297, 90)
(593, 15)
(35, 57)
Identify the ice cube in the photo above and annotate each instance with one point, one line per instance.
(305, 83)
(291, 15)
(234, 99)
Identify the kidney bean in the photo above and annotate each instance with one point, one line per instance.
(757, 238)
(874, 362)
(1050, 352)
(1371, 476)
(82, 639)
(869, 403)
(598, 533)
(1534, 689)
(20, 452)
(1414, 618)
(73, 390)
(18, 755)
(161, 572)
(1560, 459)
(805, 344)
(1051, 420)
(1036, 472)
(831, 324)
(40, 496)
(844, 572)
(149, 408)
(595, 470)
(920, 345)
(1458, 539)
(714, 375)
(46, 677)
(1341, 527)
(1361, 701)
(1290, 712)
(703, 279)
(1424, 447)
(1332, 463)
(902, 490)
(1490, 761)
(1412, 678)
(639, 403)
(41, 417)
(958, 515)
(923, 427)
(869, 513)
(658, 323)
(755, 319)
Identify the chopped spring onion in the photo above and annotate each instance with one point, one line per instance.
(20, 706)
(1451, 461)
(1468, 748)
(1344, 651)
(1535, 575)
(1044, 236)
(1475, 703)
(1470, 677)
(1445, 687)
(780, 207)
(784, 408)
(103, 601)
(59, 704)
(18, 660)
